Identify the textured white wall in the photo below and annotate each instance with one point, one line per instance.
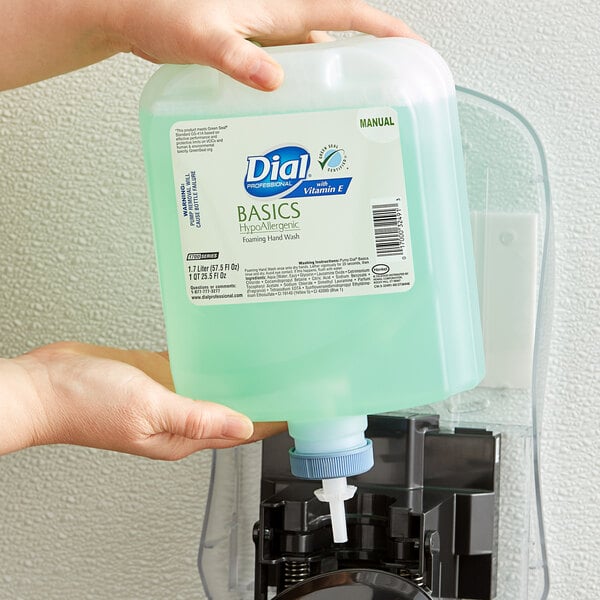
(76, 262)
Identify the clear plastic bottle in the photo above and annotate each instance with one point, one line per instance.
(313, 243)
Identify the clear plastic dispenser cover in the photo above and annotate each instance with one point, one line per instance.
(510, 213)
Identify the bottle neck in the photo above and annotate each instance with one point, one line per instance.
(330, 448)
(328, 435)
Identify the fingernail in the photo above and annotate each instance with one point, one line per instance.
(266, 75)
(237, 428)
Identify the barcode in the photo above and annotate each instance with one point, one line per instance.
(389, 229)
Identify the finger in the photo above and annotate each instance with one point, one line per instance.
(245, 62)
(264, 430)
(315, 37)
(168, 447)
(347, 15)
(199, 420)
(353, 16)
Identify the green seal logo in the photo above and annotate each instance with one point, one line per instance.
(332, 158)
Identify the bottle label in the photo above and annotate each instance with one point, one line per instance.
(292, 207)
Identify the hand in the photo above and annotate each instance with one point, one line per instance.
(43, 38)
(216, 32)
(71, 393)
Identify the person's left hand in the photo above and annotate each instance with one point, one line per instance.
(122, 400)
(217, 32)
(42, 38)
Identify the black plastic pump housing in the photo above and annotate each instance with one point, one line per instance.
(422, 525)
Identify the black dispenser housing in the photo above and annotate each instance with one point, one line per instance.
(426, 513)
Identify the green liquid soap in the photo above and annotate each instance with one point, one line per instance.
(313, 243)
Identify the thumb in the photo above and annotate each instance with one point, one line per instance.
(199, 420)
(245, 62)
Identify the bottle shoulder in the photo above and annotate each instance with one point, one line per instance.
(361, 70)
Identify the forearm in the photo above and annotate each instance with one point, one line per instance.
(43, 38)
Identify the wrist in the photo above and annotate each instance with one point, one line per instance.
(23, 418)
(114, 20)
(100, 22)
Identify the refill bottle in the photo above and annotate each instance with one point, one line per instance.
(313, 243)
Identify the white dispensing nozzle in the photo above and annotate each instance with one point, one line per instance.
(336, 491)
